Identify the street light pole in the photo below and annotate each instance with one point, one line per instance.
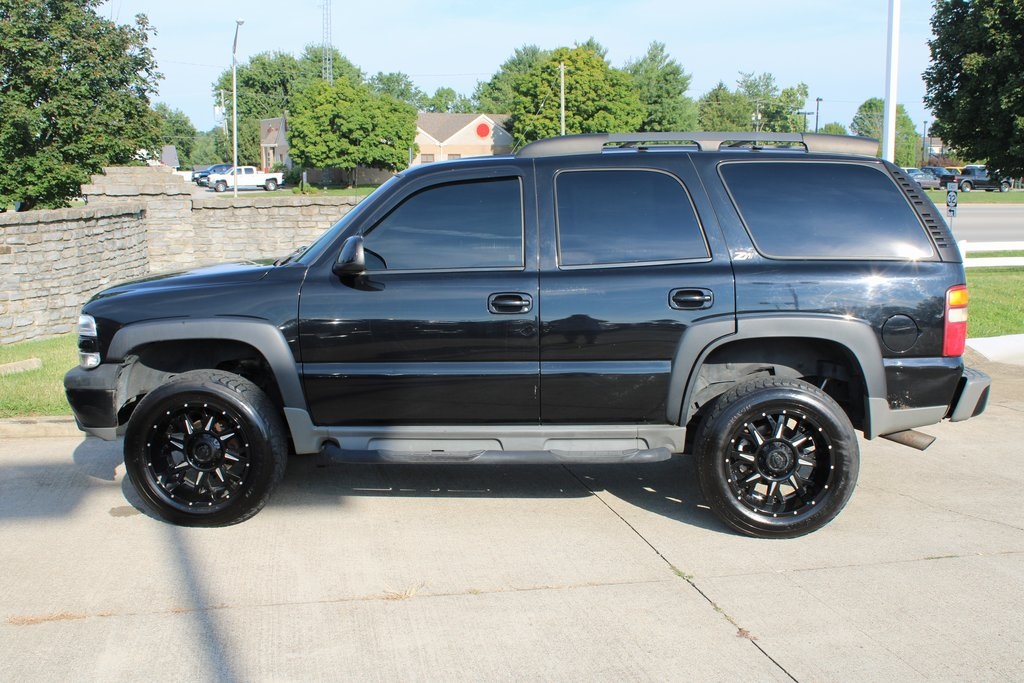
(234, 107)
(817, 105)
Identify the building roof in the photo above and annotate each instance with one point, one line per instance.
(272, 131)
(442, 125)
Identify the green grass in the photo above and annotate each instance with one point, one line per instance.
(994, 254)
(335, 191)
(978, 197)
(37, 392)
(997, 301)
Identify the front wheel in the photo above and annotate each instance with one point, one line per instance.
(966, 186)
(207, 448)
(776, 458)
(221, 186)
(1004, 186)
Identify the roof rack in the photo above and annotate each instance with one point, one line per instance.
(593, 143)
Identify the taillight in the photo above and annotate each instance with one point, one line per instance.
(955, 332)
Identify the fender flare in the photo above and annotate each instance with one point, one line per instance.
(701, 341)
(261, 335)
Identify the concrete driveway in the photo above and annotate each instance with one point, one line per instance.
(520, 573)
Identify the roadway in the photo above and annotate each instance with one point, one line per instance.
(988, 222)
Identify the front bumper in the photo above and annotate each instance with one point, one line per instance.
(971, 395)
(92, 395)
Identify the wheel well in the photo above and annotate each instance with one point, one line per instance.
(151, 365)
(826, 364)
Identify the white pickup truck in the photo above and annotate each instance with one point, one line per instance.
(248, 177)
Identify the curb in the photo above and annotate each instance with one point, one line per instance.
(39, 427)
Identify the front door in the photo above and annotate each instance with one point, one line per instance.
(442, 328)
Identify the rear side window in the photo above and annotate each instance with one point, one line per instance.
(825, 210)
(625, 217)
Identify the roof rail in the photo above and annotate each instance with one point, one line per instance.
(593, 143)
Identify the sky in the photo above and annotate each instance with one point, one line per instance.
(836, 47)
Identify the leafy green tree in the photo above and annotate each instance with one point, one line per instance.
(869, 121)
(74, 97)
(598, 98)
(662, 85)
(833, 128)
(204, 151)
(447, 100)
(176, 129)
(399, 86)
(496, 96)
(721, 109)
(778, 108)
(342, 125)
(975, 84)
(248, 142)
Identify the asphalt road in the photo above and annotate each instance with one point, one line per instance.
(520, 573)
(988, 222)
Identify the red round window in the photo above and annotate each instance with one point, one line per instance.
(483, 130)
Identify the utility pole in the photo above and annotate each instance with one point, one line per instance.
(924, 144)
(891, 72)
(817, 106)
(327, 59)
(561, 93)
(234, 106)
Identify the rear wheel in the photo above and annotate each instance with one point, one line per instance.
(270, 185)
(776, 458)
(205, 449)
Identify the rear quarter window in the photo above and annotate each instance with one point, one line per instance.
(825, 210)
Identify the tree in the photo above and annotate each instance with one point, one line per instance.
(662, 84)
(176, 129)
(74, 97)
(834, 128)
(342, 125)
(974, 84)
(720, 109)
(398, 85)
(598, 98)
(777, 109)
(447, 100)
(869, 121)
(496, 96)
(205, 149)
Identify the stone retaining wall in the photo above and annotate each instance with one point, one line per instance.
(138, 221)
(53, 261)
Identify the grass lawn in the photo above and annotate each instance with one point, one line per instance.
(996, 308)
(37, 392)
(938, 197)
(358, 191)
(997, 301)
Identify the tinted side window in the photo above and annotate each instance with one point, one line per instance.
(625, 216)
(825, 210)
(476, 224)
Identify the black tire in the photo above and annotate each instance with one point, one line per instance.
(207, 448)
(221, 186)
(1004, 186)
(966, 186)
(776, 458)
(270, 185)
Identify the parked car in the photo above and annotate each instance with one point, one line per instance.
(976, 177)
(201, 177)
(925, 180)
(590, 299)
(937, 171)
(249, 177)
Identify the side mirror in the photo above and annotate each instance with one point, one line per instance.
(351, 260)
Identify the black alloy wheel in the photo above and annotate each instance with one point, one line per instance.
(777, 458)
(205, 449)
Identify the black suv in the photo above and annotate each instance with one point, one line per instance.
(592, 299)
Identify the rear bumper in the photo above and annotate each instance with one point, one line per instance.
(971, 395)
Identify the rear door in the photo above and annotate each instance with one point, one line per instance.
(631, 257)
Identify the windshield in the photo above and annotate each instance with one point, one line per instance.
(325, 240)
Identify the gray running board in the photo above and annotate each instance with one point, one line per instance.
(334, 453)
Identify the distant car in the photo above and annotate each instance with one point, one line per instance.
(200, 177)
(926, 180)
(937, 171)
(976, 177)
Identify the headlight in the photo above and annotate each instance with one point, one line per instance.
(88, 342)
